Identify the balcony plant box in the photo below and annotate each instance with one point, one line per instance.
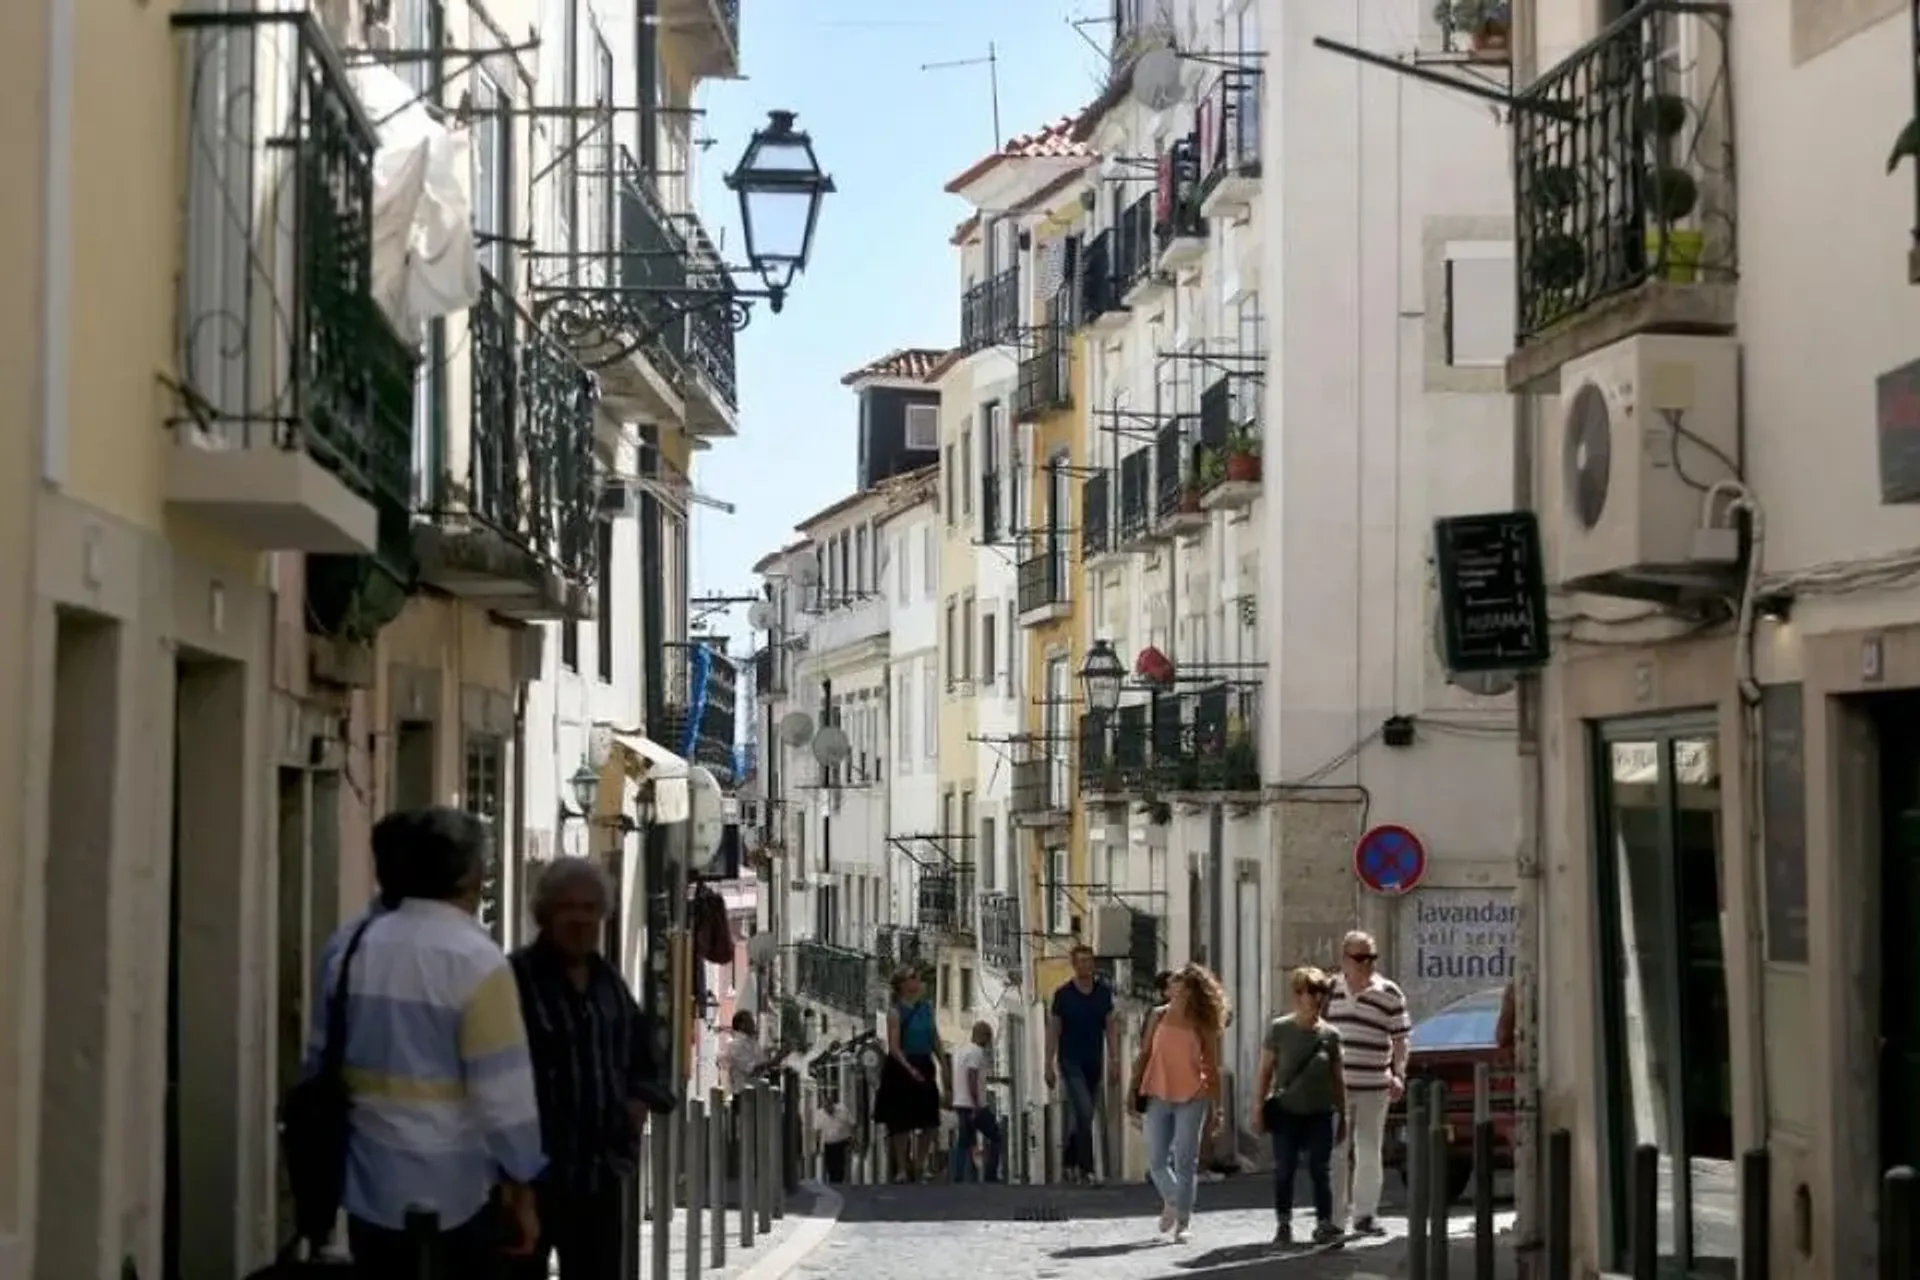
(1243, 457)
(1488, 24)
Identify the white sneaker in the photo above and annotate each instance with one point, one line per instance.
(1095, 1180)
(1180, 1234)
(1169, 1217)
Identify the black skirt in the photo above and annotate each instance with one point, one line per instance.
(906, 1105)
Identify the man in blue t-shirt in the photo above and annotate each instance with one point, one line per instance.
(1083, 1050)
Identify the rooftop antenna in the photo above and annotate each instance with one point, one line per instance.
(992, 63)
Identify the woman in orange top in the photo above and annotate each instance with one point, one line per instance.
(1176, 1083)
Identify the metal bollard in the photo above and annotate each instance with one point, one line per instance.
(777, 1152)
(1439, 1182)
(793, 1134)
(423, 1242)
(748, 1144)
(1643, 1214)
(1756, 1214)
(1483, 1250)
(1898, 1204)
(717, 1176)
(695, 1145)
(1415, 1140)
(1560, 1205)
(661, 1177)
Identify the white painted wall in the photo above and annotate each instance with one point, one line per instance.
(912, 589)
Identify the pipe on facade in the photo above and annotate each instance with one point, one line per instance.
(57, 284)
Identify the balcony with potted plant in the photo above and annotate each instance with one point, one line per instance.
(1226, 458)
(1134, 530)
(1179, 228)
(1479, 29)
(1177, 489)
(1624, 192)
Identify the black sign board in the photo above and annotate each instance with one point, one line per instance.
(1897, 423)
(1783, 817)
(1493, 592)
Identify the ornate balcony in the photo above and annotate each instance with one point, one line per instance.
(512, 509)
(1226, 456)
(945, 900)
(990, 312)
(1041, 583)
(1134, 253)
(286, 434)
(1230, 144)
(702, 701)
(1001, 932)
(1135, 526)
(1044, 383)
(1624, 196)
(1116, 752)
(1038, 795)
(1101, 307)
(897, 947)
(1213, 743)
(703, 36)
(1176, 486)
(1096, 519)
(837, 977)
(1179, 228)
(1143, 954)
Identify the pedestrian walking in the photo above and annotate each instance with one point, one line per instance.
(443, 1108)
(974, 1120)
(1371, 1014)
(1176, 1087)
(908, 1105)
(833, 1126)
(1301, 1103)
(1083, 1050)
(595, 1063)
(741, 1059)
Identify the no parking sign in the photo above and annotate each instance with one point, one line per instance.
(1389, 859)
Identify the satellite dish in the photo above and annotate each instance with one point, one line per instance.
(1158, 81)
(796, 729)
(709, 824)
(830, 745)
(760, 617)
(1481, 684)
(762, 948)
(806, 570)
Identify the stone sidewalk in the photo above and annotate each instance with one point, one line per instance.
(810, 1215)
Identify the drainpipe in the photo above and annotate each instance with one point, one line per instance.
(656, 995)
(515, 909)
(55, 318)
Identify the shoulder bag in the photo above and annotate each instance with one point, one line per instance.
(1270, 1107)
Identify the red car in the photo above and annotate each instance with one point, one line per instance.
(1446, 1046)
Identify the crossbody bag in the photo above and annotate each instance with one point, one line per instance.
(1270, 1108)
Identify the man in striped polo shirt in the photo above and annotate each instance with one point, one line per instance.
(1371, 1014)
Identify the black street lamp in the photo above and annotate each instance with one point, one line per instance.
(781, 187)
(1101, 676)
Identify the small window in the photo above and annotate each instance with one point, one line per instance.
(966, 638)
(989, 634)
(1479, 304)
(946, 482)
(930, 556)
(953, 642)
(930, 713)
(904, 567)
(923, 426)
(966, 471)
(903, 718)
(986, 859)
(966, 989)
(1059, 908)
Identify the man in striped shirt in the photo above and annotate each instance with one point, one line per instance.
(443, 1106)
(1371, 1014)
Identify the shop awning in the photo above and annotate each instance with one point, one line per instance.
(669, 773)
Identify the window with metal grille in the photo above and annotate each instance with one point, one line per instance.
(486, 755)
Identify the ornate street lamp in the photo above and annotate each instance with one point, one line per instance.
(781, 187)
(585, 784)
(1101, 676)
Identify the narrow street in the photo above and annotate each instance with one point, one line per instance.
(1064, 1233)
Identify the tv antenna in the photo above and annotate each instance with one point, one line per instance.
(992, 63)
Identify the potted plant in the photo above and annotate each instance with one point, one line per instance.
(1213, 467)
(1190, 491)
(1485, 23)
(1241, 764)
(1673, 252)
(1243, 456)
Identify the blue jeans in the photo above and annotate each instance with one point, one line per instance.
(1082, 1087)
(969, 1123)
(1295, 1137)
(1173, 1150)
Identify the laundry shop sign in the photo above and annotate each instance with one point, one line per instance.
(1454, 942)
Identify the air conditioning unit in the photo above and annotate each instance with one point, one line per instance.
(1645, 427)
(619, 499)
(1110, 930)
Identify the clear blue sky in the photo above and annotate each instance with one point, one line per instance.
(883, 274)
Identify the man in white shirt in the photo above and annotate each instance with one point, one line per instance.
(1371, 1014)
(834, 1127)
(972, 1110)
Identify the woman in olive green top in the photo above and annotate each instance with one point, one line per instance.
(1303, 1103)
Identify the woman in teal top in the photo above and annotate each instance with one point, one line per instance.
(908, 1106)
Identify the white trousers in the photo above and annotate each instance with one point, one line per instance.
(1358, 1157)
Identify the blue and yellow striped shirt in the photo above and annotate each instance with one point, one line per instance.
(436, 1060)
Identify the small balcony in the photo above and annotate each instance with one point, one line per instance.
(1042, 583)
(290, 432)
(769, 673)
(1038, 793)
(1044, 383)
(1096, 521)
(702, 703)
(1230, 145)
(837, 977)
(1179, 228)
(512, 510)
(990, 312)
(945, 900)
(1176, 488)
(1116, 752)
(1212, 745)
(1226, 455)
(1134, 254)
(1101, 306)
(897, 947)
(1134, 529)
(1144, 954)
(1624, 193)
(1001, 932)
(702, 36)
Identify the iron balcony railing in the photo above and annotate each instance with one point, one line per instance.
(837, 976)
(1043, 383)
(1215, 430)
(702, 707)
(989, 506)
(281, 342)
(1177, 213)
(1136, 495)
(1038, 785)
(1001, 931)
(1041, 580)
(667, 259)
(1096, 516)
(1209, 741)
(768, 677)
(1135, 24)
(990, 311)
(1099, 282)
(898, 947)
(945, 899)
(1624, 165)
(1170, 474)
(530, 476)
(1143, 954)
(1230, 129)
(1134, 247)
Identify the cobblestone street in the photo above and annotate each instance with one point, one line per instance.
(949, 1233)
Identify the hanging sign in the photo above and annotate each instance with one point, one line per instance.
(1389, 859)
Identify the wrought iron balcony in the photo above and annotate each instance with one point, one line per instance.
(1044, 383)
(285, 435)
(702, 702)
(1041, 582)
(1096, 516)
(838, 977)
(1176, 489)
(1226, 453)
(1100, 287)
(1136, 498)
(898, 947)
(1116, 751)
(769, 673)
(1230, 143)
(1134, 248)
(1179, 228)
(1001, 932)
(990, 311)
(1143, 954)
(1212, 744)
(1624, 199)
(945, 899)
(1039, 786)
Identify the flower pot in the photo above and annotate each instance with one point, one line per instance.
(1491, 37)
(1243, 467)
(1189, 500)
(1680, 261)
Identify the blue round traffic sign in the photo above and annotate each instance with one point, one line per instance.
(1389, 859)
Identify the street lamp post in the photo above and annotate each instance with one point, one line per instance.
(1101, 676)
(781, 187)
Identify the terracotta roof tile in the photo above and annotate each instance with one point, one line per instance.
(908, 364)
(1053, 141)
